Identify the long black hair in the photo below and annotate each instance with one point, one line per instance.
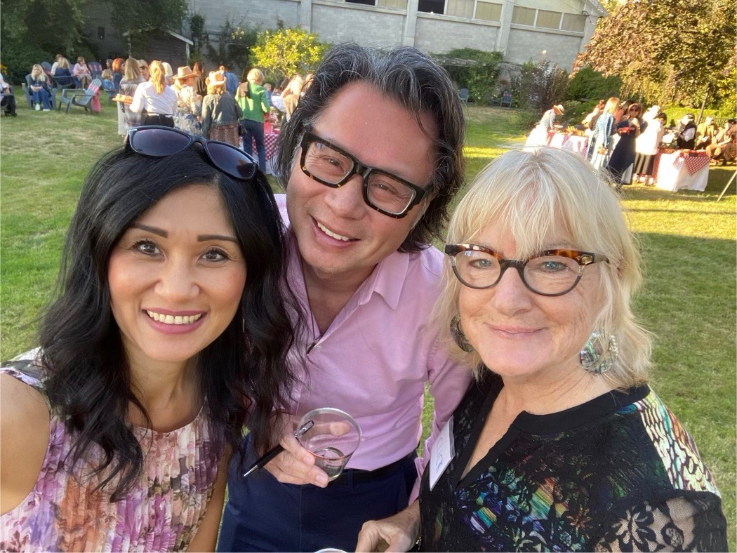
(244, 374)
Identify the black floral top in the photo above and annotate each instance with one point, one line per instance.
(617, 473)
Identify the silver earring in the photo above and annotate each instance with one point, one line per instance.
(599, 353)
(458, 337)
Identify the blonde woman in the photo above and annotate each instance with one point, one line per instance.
(251, 98)
(189, 103)
(168, 73)
(560, 444)
(82, 73)
(62, 74)
(155, 100)
(292, 95)
(131, 79)
(601, 142)
(220, 112)
(39, 85)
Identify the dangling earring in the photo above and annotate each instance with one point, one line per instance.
(458, 337)
(599, 353)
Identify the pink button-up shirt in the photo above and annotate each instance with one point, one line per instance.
(376, 356)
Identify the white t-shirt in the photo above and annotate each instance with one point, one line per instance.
(160, 104)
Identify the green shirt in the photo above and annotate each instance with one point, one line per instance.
(256, 106)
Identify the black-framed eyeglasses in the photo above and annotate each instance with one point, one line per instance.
(550, 273)
(160, 141)
(330, 165)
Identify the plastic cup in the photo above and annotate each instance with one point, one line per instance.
(332, 440)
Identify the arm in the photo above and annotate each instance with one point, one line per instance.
(207, 533)
(449, 381)
(396, 533)
(138, 101)
(264, 102)
(206, 115)
(24, 433)
(695, 523)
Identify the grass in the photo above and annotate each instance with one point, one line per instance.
(687, 240)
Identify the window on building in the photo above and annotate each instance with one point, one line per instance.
(431, 6)
(523, 16)
(548, 19)
(460, 8)
(365, 2)
(101, 33)
(488, 11)
(573, 22)
(396, 4)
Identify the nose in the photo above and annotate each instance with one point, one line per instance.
(347, 201)
(510, 295)
(178, 280)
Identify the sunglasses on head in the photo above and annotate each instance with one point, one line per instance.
(159, 141)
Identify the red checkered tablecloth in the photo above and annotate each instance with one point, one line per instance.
(695, 163)
(270, 140)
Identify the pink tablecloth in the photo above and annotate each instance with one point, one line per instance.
(676, 171)
(571, 142)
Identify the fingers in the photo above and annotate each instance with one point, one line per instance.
(370, 538)
(290, 469)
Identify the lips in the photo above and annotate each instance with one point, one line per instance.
(335, 236)
(174, 322)
(514, 331)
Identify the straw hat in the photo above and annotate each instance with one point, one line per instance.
(184, 73)
(559, 107)
(215, 78)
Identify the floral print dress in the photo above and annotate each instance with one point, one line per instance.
(160, 512)
(617, 473)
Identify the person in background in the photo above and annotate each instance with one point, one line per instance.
(118, 68)
(623, 156)
(170, 333)
(646, 148)
(541, 133)
(62, 74)
(40, 91)
(251, 98)
(268, 89)
(686, 132)
(189, 104)
(81, 72)
(231, 79)
(560, 444)
(7, 99)
(725, 144)
(590, 120)
(292, 94)
(57, 59)
(131, 79)
(145, 71)
(168, 73)
(706, 133)
(601, 142)
(220, 112)
(370, 160)
(200, 87)
(107, 80)
(155, 100)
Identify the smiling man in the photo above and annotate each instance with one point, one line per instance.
(370, 160)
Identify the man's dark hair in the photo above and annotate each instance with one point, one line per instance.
(417, 83)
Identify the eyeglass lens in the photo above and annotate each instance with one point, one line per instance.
(383, 191)
(231, 161)
(545, 275)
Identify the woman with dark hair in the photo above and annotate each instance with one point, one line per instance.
(623, 156)
(170, 330)
(200, 86)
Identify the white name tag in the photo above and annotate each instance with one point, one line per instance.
(442, 453)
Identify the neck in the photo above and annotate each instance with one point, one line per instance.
(341, 284)
(554, 391)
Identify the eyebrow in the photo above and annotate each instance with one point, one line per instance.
(200, 237)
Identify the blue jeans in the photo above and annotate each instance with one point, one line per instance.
(253, 130)
(264, 515)
(41, 96)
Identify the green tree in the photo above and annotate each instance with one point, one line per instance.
(234, 43)
(128, 16)
(31, 32)
(667, 52)
(540, 86)
(199, 36)
(587, 84)
(479, 75)
(283, 52)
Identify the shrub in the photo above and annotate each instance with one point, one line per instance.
(480, 78)
(587, 84)
(283, 52)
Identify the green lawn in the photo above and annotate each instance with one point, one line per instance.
(687, 238)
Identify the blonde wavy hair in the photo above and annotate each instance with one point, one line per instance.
(37, 73)
(255, 76)
(158, 76)
(132, 70)
(530, 193)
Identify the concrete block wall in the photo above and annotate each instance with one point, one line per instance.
(525, 45)
(439, 34)
(336, 23)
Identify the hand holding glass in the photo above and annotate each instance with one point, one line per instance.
(332, 440)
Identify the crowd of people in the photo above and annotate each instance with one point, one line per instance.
(625, 141)
(193, 303)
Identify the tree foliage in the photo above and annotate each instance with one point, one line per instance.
(588, 84)
(235, 42)
(199, 37)
(139, 15)
(480, 78)
(539, 86)
(283, 52)
(667, 51)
